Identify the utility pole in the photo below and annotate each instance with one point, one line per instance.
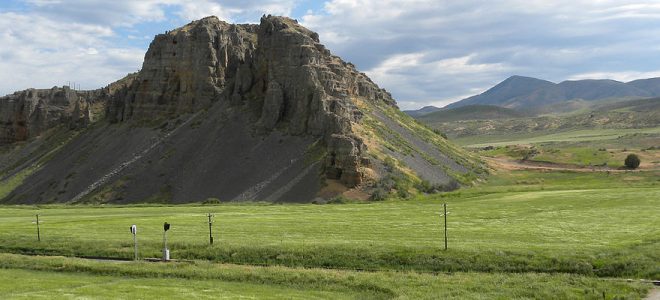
(210, 229)
(445, 215)
(38, 230)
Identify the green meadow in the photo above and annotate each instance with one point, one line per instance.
(71, 278)
(580, 231)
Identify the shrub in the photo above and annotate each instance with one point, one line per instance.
(632, 161)
(379, 194)
(389, 163)
(425, 186)
(340, 199)
(403, 194)
(211, 201)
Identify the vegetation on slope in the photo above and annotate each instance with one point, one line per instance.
(471, 112)
(625, 115)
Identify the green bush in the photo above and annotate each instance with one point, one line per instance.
(379, 194)
(211, 201)
(632, 161)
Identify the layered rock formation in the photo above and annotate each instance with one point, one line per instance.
(278, 70)
(234, 112)
(28, 113)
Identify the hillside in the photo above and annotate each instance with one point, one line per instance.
(508, 92)
(250, 112)
(422, 111)
(471, 112)
(540, 96)
(631, 114)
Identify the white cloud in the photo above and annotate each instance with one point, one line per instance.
(427, 51)
(407, 72)
(39, 52)
(199, 9)
(623, 76)
(54, 42)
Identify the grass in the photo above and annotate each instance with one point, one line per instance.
(45, 277)
(27, 284)
(11, 183)
(543, 137)
(605, 152)
(518, 222)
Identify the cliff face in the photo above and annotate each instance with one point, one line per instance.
(185, 70)
(277, 70)
(28, 113)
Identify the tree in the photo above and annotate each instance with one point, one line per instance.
(632, 161)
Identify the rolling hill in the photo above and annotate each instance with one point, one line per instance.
(535, 95)
(471, 112)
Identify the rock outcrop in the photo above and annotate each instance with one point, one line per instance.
(248, 112)
(28, 113)
(278, 70)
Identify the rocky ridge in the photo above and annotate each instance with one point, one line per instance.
(278, 70)
(28, 113)
(237, 112)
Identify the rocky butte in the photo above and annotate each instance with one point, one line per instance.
(233, 112)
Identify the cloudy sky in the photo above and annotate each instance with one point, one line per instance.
(426, 52)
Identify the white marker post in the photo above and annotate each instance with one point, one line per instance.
(134, 232)
(166, 252)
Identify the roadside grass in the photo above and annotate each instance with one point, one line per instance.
(591, 224)
(45, 277)
(26, 284)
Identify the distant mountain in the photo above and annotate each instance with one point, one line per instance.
(422, 111)
(652, 85)
(506, 92)
(471, 112)
(531, 94)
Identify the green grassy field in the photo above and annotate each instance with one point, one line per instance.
(580, 148)
(67, 278)
(589, 225)
(573, 154)
(604, 231)
(26, 284)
